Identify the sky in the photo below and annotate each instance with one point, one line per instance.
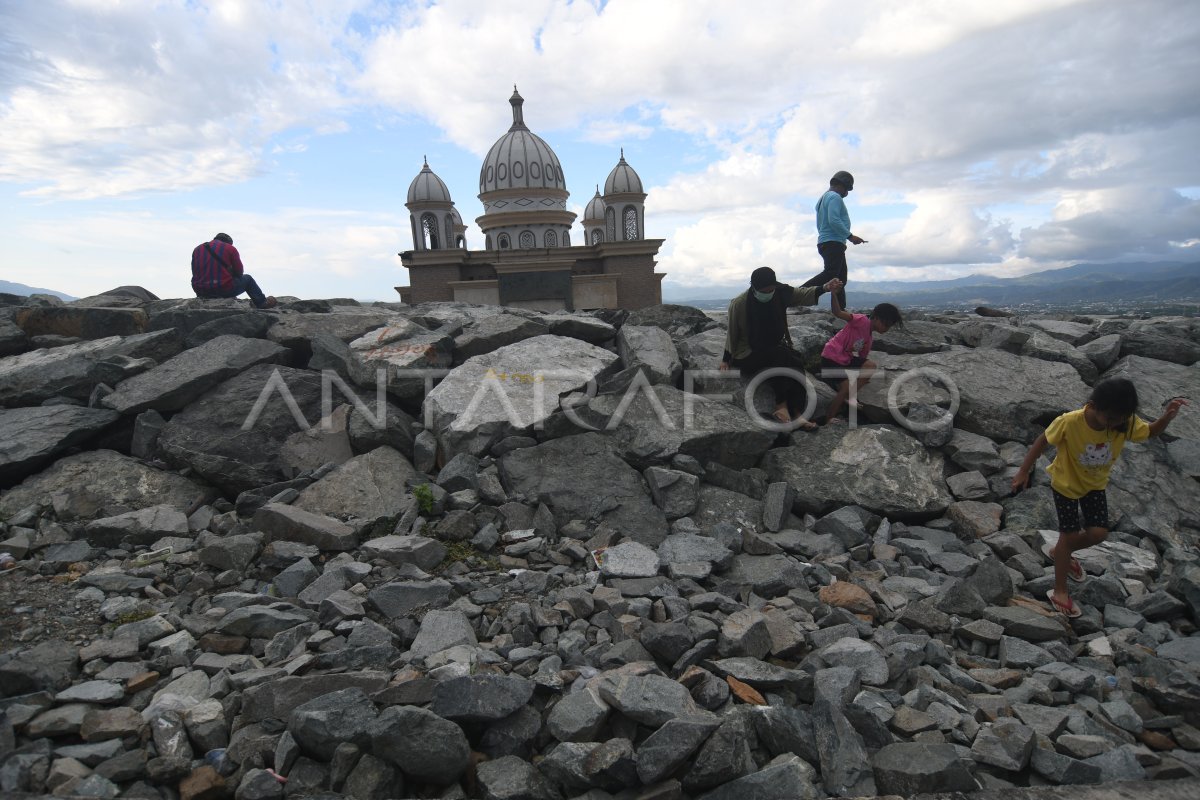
(985, 137)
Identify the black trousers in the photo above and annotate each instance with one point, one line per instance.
(785, 388)
(834, 256)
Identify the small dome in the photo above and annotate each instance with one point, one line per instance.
(595, 207)
(455, 217)
(520, 159)
(428, 187)
(623, 179)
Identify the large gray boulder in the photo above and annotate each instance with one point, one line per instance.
(73, 370)
(909, 768)
(490, 333)
(650, 424)
(880, 468)
(400, 351)
(82, 322)
(582, 477)
(422, 744)
(649, 349)
(143, 527)
(1159, 344)
(33, 437)
(579, 326)
(228, 438)
(89, 484)
(1148, 489)
(1073, 333)
(511, 390)
(347, 323)
(1049, 348)
(323, 723)
(917, 336)
(1002, 396)
(178, 381)
(370, 486)
(12, 339)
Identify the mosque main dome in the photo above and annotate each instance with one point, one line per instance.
(520, 159)
(523, 191)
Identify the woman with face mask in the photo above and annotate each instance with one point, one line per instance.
(757, 338)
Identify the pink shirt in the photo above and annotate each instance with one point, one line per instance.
(852, 341)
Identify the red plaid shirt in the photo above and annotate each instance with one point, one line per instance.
(207, 273)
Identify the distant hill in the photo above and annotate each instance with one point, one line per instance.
(1106, 285)
(21, 290)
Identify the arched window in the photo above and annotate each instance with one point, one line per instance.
(528, 240)
(597, 236)
(631, 223)
(449, 229)
(566, 239)
(487, 242)
(551, 239)
(429, 228)
(461, 244)
(502, 239)
(610, 217)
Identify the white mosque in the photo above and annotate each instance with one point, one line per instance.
(528, 259)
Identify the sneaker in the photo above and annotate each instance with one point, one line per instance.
(270, 303)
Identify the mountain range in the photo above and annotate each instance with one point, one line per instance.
(1121, 286)
(21, 290)
(1157, 284)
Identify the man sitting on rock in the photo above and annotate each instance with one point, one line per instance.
(217, 272)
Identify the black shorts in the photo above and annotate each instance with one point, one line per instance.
(1095, 511)
(834, 373)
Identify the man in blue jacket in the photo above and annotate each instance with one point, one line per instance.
(833, 231)
(217, 272)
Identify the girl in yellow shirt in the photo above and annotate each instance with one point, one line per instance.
(1088, 442)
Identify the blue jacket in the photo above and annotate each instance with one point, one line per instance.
(833, 221)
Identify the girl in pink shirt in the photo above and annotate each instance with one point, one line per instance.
(849, 348)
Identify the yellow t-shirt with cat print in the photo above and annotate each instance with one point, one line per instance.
(1085, 456)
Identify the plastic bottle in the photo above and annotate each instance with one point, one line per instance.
(7, 562)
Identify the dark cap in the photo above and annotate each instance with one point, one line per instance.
(843, 178)
(223, 237)
(763, 276)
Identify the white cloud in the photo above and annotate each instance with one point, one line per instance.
(1124, 223)
(983, 135)
(108, 99)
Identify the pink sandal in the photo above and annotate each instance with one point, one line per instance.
(1067, 609)
(1074, 569)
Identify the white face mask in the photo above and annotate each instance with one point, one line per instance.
(763, 297)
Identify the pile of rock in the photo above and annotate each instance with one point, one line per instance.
(574, 576)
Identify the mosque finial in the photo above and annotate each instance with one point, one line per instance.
(426, 160)
(622, 153)
(516, 102)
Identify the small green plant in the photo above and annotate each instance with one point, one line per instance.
(424, 497)
(134, 616)
(464, 551)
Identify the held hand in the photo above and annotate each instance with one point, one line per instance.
(857, 240)
(724, 366)
(833, 285)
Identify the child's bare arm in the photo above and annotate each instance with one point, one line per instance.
(1172, 408)
(836, 306)
(1035, 451)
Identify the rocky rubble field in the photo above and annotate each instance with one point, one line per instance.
(447, 551)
